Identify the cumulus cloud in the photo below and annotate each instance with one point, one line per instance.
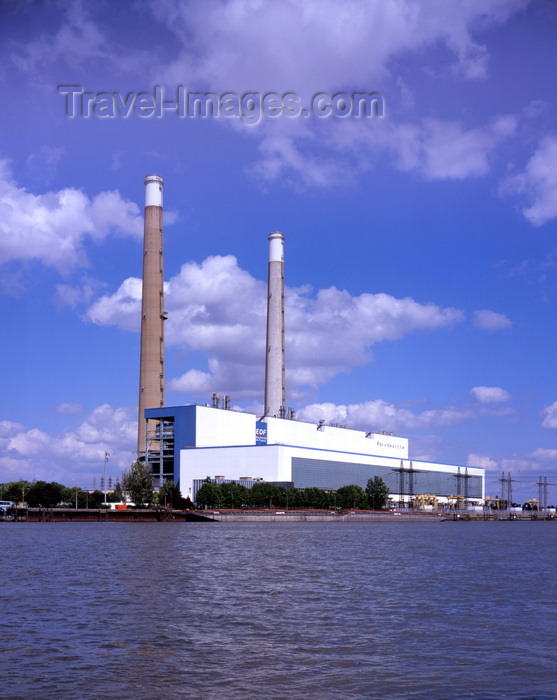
(381, 415)
(549, 414)
(491, 320)
(52, 228)
(545, 456)
(442, 150)
(324, 46)
(220, 309)
(361, 321)
(74, 455)
(477, 460)
(122, 309)
(322, 42)
(538, 183)
(69, 409)
(539, 460)
(302, 45)
(433, 148)
(80, 40)
(490, 394)
(76, 295)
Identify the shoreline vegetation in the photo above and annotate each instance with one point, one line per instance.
(231, 502)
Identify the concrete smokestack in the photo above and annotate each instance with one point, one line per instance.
(151, 362)
(275, 391)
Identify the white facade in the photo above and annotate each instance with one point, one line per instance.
(226, 447)
(215, 427)
(326, 437)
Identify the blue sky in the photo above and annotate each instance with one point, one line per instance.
(420, 245)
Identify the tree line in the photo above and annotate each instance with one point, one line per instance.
(51, 494)
(267, 495)
(138, 485)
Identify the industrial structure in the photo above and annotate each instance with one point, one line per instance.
(207, 441)
(275, 370)
(188, 444)
(153, 315)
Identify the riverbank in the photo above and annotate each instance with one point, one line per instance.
(272, 515)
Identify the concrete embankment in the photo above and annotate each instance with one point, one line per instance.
(106, 515)
(49, 515)
(318, 516)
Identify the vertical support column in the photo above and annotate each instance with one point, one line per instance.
(151, 362)
(275, 381)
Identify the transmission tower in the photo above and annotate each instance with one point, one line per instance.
(507, 485)
(400, 471)
(542, 485)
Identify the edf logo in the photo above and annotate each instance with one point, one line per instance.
(260, 433)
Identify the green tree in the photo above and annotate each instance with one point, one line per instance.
(294, 498)
(44, 494)
(377, 493)
(209, 495)
(229, 495)
(68, 497)
(316, 498)
(95, 499)
(264, 495)
(351, 496)
(169, 495)
(117, 496)
(139, 483)
(14, 491)
(242, 496)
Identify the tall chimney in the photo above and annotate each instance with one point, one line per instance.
(275, 392)
(151, 361)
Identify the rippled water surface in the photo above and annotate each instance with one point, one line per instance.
(301, 610)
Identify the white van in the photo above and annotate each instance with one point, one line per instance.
(5, 506)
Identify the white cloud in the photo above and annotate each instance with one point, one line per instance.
(73, 456)
(78, 41)
(7, 427)
(331, 47)
(360, 321)
(491, 320)
(69, 409)
(442, 150)
(490, 394)
(549, 414)
(52, 228)
(538, 183)
(535, 462)
(477, 460)
(381, 415)
(220, 309)
(122, 309)
(73, 296)
(435, 149)
(303, 45)
(310, 45)
(545, 456)
(193, 381)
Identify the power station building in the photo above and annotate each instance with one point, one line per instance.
(189, 444)
(196, 442)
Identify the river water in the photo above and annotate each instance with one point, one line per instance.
(288, 610)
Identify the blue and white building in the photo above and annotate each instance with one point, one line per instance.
(190, 443)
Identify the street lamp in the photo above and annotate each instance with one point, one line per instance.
(106, 456)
